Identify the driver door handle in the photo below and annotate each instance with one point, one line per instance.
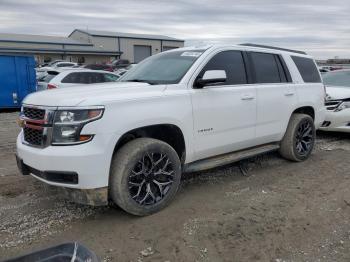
(289, 94)
(247, 97)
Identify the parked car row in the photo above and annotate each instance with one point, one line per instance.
(325, 69)
(112, 66)
(42, 71)
(46, 73)
(69, 78)
(99, 67)
(49, 76)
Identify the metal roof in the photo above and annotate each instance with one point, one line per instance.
(86, 50)
(42, 39)
(127, 35)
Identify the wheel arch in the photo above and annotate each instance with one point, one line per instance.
(308, 110)
(168, 133)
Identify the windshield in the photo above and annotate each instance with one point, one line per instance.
(337, 78)
(164, 68)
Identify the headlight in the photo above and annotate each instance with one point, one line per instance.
(343, 105)
(67, 125)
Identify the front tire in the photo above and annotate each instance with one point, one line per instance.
(299, 139)
(145, 176)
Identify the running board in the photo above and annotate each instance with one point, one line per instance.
(225, 159)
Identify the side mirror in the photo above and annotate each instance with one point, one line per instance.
(211, 77)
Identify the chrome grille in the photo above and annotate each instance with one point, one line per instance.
(332, 104)
(33, 136)
(34, 129)
(34, 113)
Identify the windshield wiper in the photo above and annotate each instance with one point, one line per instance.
(141, 81)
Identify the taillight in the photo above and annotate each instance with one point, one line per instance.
(51, 86)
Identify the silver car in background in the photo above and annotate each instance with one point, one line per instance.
(338, 101)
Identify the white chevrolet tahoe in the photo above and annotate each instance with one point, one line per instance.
(183, 110)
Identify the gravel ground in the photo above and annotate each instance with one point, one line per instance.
(278, 211)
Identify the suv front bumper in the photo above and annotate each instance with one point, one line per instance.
(92, 197)
(81, 171)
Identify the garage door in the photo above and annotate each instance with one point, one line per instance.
(141, 52)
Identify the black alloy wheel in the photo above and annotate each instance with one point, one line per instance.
(151, 179)
(304, 138)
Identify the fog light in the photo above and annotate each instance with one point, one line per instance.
(326, 124)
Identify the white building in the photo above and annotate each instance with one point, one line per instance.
(88, 46)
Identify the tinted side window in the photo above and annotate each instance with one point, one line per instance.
(64, 64)
(233, 64)
(266, 68)
(92, 78)
(72, 78)
(307, 69)
(83, 78)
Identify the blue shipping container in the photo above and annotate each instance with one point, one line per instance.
(17, 79)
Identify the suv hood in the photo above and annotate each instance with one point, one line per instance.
(337, 92)
(94, 94)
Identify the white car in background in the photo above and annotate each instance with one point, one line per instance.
(75, 77)
(49, 64)
(338, 101)
(42, 71)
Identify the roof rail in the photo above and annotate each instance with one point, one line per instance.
(273, 47)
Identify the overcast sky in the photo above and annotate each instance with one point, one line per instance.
(322, 28)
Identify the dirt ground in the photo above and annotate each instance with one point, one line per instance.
(279, 211)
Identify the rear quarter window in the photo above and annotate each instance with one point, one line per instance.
(268, 68)
(307, 69)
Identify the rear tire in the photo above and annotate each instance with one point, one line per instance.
(299, 139)
(145, 176)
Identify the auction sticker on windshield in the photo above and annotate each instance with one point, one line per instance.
(194, 54)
